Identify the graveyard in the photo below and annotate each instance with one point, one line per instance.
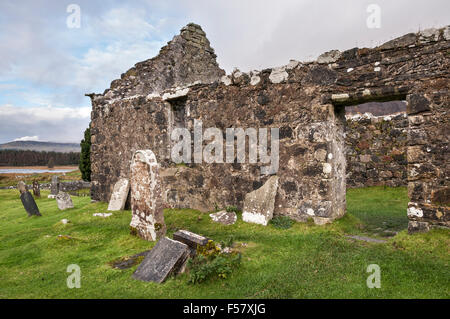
(314, 179)
(304, 261)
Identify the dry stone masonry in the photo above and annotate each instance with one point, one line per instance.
(306, 101)
(376, 150)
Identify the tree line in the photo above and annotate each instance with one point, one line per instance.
(35, 158)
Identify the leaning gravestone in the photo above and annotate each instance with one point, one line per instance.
(36, 189)
(147, 219)
(119, 195)
(166, 258)
(259, 204)
(64, 201)
(27, 200)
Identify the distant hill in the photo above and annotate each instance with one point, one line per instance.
(377, 108)
(41, 146)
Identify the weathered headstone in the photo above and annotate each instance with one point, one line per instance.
(36, 189)
(191, 239)
(147, 219)
(64, 201)
(22, 187)
(54, 188)
(119, 195)
(166, 258)
(259, 204)
(224, 217)
(27, 200)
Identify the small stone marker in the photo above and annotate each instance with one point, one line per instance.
(147, 219)
(191, 239)
(64, 201)
(119, 195)
(224, 217)
(36, 189)
(259, 204)
(166, 258)
(27, 200)
(104, 215)
(54, 188)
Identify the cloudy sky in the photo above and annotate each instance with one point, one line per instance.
(47, 67)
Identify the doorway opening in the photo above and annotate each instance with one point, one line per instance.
(376, 171)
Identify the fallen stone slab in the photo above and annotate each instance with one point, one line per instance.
(166, 258)
(191, 239)
(64, 201)
(224, 217)
(51, 196)
(259, 204)
(368, 239)
(119, 195)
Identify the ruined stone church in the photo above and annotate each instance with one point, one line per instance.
(306, 101)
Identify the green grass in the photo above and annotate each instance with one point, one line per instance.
(304, 261)
(381, 209)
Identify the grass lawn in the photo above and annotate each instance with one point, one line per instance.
(304, 261)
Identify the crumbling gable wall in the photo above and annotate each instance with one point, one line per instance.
(305, 100)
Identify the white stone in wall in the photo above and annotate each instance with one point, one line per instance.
(278, 75)
(329, 57)
(340, 97)
(225, 80)
(179, 92)
(414, 211)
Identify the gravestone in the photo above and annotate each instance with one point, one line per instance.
(259, 204)
(22, 187)
(64, 201)
(224, 217)
(166, 258)
(27, 200)
(191, 239)
(119, 195)
(36, 189)
(54, 188)
(147, 219)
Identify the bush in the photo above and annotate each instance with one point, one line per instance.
(51, 163)
(230, 209)
(210, 263)
(85, 156)
(282, 222)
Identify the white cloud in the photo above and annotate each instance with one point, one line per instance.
(46, 123)
(27, 138)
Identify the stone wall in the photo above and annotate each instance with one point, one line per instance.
(376, 150)
(306, 101)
